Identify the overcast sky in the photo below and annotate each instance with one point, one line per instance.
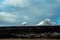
(14, 12)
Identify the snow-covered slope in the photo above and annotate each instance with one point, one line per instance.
(46, 22)
(24, 24)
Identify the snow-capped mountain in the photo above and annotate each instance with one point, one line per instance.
(24, 24)
(46, 22)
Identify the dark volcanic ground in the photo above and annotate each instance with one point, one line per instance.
(30, 32)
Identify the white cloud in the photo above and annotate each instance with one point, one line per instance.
(18, 3)
(8, 17)
(38, 8)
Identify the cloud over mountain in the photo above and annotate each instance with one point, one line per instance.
(32, 11)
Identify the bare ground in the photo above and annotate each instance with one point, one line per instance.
(29, 39)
